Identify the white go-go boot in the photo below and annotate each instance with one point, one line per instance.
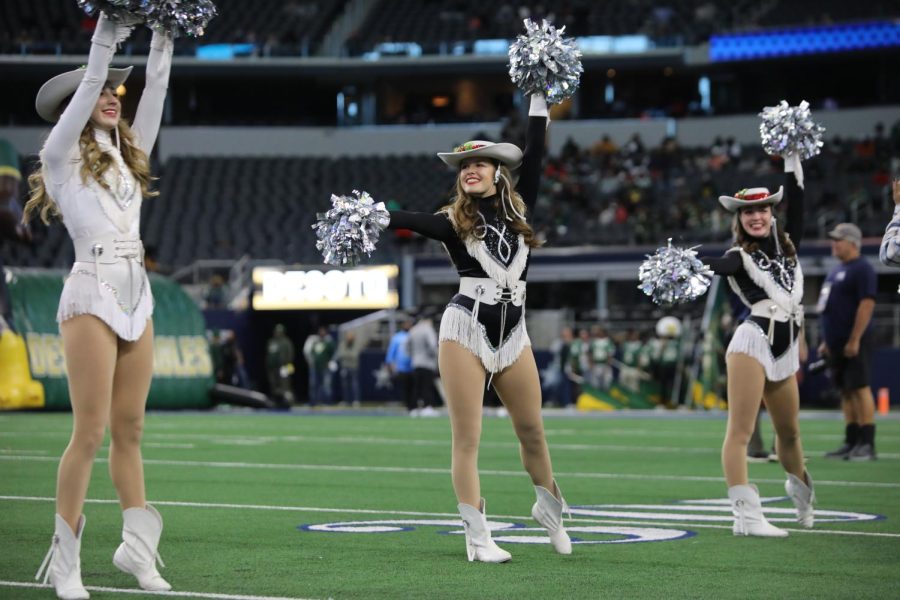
(479, 545)
(137, 554)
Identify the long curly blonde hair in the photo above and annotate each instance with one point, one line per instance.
(463, 211)
(94, 164)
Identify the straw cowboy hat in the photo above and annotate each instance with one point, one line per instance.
(751, 197)
(58, 88)
(508, 154)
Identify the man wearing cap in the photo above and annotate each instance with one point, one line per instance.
(890, 244)
(845, 304)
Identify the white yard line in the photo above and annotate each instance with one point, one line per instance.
(151, 441)
(445, 471)
(173, 594)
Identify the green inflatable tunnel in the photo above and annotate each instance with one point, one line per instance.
(182, 367)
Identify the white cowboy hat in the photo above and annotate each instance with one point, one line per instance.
(58, 88)
(508, 154)
(751, 197)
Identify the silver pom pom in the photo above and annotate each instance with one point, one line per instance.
(179, 16)
(543, 62)
(116, 10)
(674, 275)
(350, 229)
(789, 130)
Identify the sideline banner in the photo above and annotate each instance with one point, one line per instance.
(321, 287)
(182, 369)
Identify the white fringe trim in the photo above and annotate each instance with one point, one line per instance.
(791, 302)
(493, 268)
(80, 296)
(456, 326)
(750, 339)
(504, 276)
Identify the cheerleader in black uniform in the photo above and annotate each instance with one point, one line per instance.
(763, 357)
(482, 335)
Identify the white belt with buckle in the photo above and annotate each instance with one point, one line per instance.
(108, 250)
(769, 309)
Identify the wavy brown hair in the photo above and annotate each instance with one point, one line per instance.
(750, 244)
(94, 164)
(463, 210)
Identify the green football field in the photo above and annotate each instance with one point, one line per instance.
(268, 505)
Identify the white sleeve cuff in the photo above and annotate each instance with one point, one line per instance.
(538, 106)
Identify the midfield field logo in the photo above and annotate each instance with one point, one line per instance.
(606, 523)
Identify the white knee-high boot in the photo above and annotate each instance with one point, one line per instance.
(804, 497)
(137, 553)
(62, 565)
(548, 512)
(748, 514)
(479, 545)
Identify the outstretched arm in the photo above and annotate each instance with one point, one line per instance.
(726, 265)
(795, 199)
(150, 109)
(65, 134)
(436, 227)
(530, 172)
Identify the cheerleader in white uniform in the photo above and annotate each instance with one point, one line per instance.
(94, 172)
(763, 357)
(482, 335)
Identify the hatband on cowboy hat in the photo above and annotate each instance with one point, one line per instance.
(508, 154)
(60, 87)
(751, 197)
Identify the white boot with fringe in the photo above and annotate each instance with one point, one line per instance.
(548, 511)
(62, 565)
(137, 554)
(803, 496)
(479, 545)
(748, 513)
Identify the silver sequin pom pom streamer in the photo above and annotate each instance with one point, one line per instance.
(189, 17)
(116, 10)
(350, 229)
(542, 61)
(674, 275)
(790, 130)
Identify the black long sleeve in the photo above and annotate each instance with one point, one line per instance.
(436, 227)
(532, 161)
(794, 215)
(726, 265)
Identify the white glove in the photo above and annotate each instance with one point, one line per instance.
(538, 107)
(110, 33)
(792, 165)
(162, 40)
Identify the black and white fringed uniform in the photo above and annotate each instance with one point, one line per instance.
(771, 286)
(487, 315)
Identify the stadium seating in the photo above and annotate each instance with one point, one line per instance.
(275, 26)
(437, 24)
(225, 208)
(295, 27)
